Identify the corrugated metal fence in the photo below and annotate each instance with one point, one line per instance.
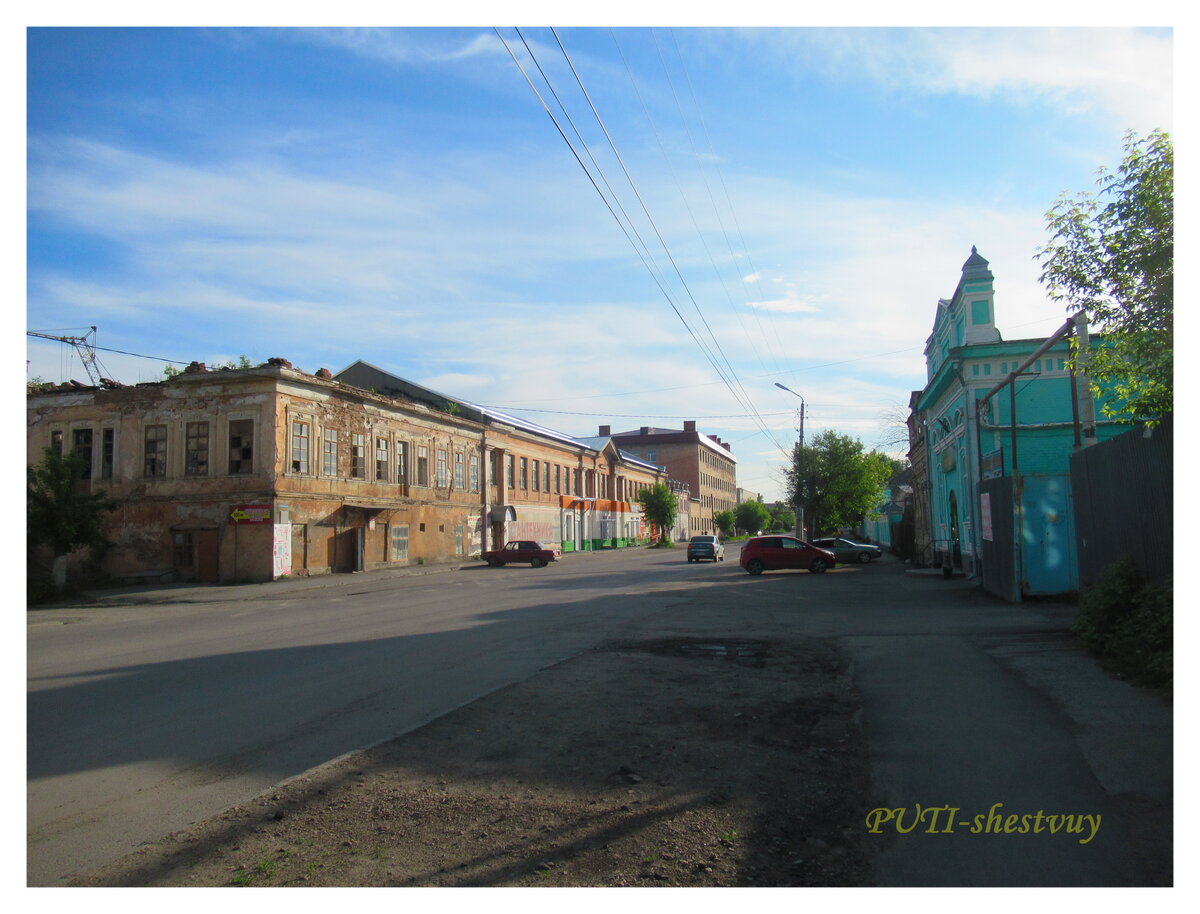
(1123, 493)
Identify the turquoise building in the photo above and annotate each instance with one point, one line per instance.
(976, 431)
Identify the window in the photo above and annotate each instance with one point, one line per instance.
(358, 456)
(241, 447)
(300, 439)
(81, 443)
(458, 539)
(510, 470)
(422, 465)
(56, 441)
(195, 459)
(459, 478)
(546, 476)
(329, 460)
(399, 542)
(536, 476)
(155, 463)
(402, 462)
(443, 469)
(382, 459)
(524, 472)
(473, 473)
(108, 452)
(184, 550)
(557, 479)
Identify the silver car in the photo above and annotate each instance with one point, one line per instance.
(848, 550)
(705, 547)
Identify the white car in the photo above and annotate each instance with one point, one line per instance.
(705, 546)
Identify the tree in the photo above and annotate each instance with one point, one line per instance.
(1112, 256)
(724, 521)
(837, 482)
(660, 508)
(752, 516)
(59, 515)
(782, 518)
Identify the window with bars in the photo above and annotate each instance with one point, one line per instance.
(195, 457)
(155, 454)
(329, 455)
(185, 550)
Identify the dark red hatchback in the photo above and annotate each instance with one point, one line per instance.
(767, 553)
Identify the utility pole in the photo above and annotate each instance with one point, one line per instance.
(799, 481)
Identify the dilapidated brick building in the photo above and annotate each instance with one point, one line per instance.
(255, 473)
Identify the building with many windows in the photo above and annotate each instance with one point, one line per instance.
(257, 473)
(704, 463)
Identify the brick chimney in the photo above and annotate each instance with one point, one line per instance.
(645, 430)
(605, 430)
(689, 425)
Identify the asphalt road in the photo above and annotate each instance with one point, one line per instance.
(145, 719)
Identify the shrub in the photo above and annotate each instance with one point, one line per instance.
(1128, 624)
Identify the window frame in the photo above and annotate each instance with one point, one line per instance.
(154, 465)
(197, 457)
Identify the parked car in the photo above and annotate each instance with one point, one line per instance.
(705, 546)
(529, 551)
(848, 550)
(767, 553)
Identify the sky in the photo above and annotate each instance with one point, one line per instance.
(755, 206)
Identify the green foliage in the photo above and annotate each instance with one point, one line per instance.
(782, 518)
(1128, 624)
(660, 507)
(752, 516)
(837, 482)
(1112, 255)
(725, 522)
(59, 515)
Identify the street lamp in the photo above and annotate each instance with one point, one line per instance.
(799, 495)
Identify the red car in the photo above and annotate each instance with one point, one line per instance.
(766, 553)
(529, 551)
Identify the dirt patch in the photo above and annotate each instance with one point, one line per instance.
(680, 762)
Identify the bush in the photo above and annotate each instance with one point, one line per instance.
(1128, 624)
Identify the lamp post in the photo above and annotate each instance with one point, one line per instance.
(799, 495)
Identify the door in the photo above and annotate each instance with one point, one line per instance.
(207, 552)
(299, 547)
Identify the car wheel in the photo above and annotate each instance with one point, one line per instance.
(538, 563)
(492, 563)
(818, 566)
(864, 557)
(755, 566)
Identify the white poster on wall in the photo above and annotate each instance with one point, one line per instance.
(985, 515)
(281, 554)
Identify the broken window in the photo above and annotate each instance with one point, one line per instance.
(402, 462)
(155, 463)
(81, 443)
(108, 452)
(358, 456)
(381, 459)
(422, 465)
(196, 452)
(241, 447)
(300, 440)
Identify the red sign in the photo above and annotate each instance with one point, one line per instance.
(251, 514)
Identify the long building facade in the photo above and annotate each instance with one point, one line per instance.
(259, 473)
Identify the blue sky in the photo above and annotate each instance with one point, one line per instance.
(400, 196)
